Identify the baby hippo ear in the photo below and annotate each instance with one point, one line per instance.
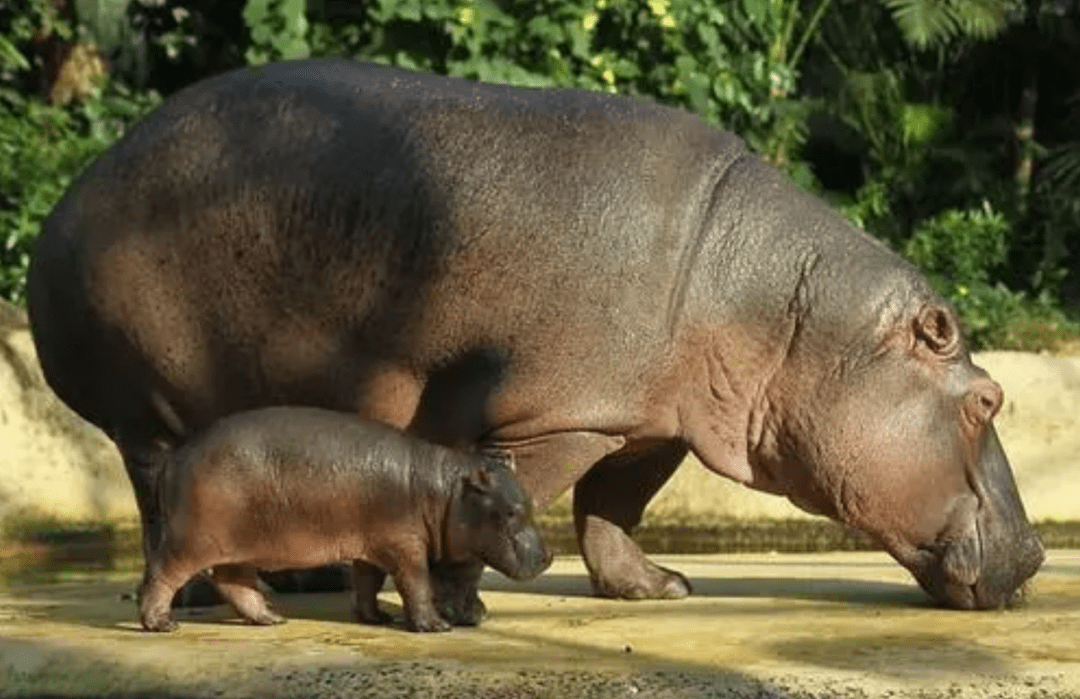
(480, 479)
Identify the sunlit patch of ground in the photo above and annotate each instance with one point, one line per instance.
(761, 625)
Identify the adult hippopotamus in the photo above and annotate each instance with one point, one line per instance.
(594, 283)
(287, 487)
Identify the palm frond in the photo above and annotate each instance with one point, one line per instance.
(924, 22)
(982, 19)
(1062, 167)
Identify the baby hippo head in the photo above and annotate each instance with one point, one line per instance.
(491, 518)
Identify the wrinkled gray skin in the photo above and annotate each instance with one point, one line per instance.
(301, 487)
(594, 283)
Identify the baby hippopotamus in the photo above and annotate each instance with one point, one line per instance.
(291, 487)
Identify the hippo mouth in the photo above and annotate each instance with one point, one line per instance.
(988, 550)
(526, 556)
(532, 554)
(976, 572)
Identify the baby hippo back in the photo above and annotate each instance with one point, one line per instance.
(298, 487)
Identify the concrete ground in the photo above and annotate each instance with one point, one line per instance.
(763, 625)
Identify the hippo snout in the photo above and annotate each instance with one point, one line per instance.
(1000, 585)
(988, 550)
(977, 574)
(531, 553)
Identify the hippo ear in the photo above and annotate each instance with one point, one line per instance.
(936, 327)
(480, 479)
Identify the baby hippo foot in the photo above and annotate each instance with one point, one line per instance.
(155, 613)
(239, 586)
(367, 581)
(463, 611)
(426, 623)
(456, 593)
(162, 623)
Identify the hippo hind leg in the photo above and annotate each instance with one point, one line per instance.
(367, 581)
(238, 584)
(163, 577)
(608, 504)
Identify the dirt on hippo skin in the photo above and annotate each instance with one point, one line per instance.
(761, 625)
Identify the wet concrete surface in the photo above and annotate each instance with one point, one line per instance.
(758, 625)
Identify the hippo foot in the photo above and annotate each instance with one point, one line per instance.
(655, 583)
(159, 624)
(266, 618)
(457, 594)
(465, 609)
(374, 617)
(428, 624)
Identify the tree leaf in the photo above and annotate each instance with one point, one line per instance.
(924, 22)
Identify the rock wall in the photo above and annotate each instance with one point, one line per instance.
(53, 465)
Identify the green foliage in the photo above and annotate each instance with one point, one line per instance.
(885, 77)
(20, 24)
(927, 23)
(734, 63)
(278, 28)
(959, 249)
(42, 149)
(961, 252)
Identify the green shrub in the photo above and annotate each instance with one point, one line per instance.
(42, 148)
(735, 63)
(962, 252)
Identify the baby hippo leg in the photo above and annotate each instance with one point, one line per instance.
(367, 580)
(238, 584)
(159, 586)
(413, 583)
(457, 592)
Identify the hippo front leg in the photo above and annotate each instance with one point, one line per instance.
(413, 583)
(608, 504)
(457, 592)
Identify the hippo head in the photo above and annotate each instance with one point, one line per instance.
(895, 437)
(491, 518)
